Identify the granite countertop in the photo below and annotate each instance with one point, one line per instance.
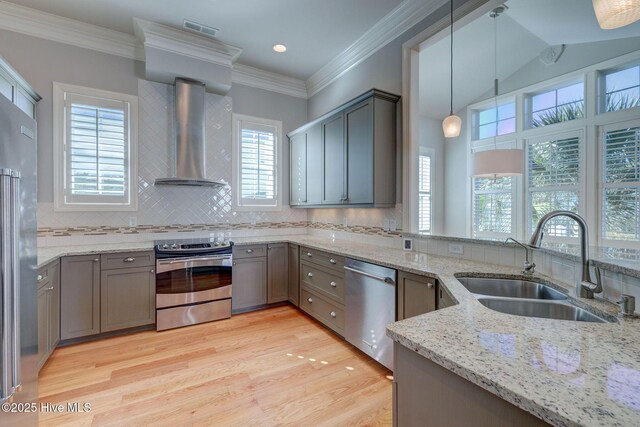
(566, 373)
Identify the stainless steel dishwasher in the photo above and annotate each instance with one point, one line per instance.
(370, 305)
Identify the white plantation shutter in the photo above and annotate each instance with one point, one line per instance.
(257, 162)
(554, 182)
(621, 183)
(493, 207)
(424, 194)
(97, 151)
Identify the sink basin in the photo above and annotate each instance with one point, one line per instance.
(510, 288)
(544, 309)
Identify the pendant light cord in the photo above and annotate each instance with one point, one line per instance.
(451, 58)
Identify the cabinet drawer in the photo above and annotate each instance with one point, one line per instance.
(46, 273)
(329, 313)
(323, 280)
(322, 258)
(249, 251)
(127, 259)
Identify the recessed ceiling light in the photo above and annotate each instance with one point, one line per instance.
(280, 48)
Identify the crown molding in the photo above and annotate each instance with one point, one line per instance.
(183, 43)
(47, 26)
(274, 82)
(403, 17)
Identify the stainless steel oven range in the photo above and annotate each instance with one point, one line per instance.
(193, 282)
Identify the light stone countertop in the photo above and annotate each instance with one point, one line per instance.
(564, 372)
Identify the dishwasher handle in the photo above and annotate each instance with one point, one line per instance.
(387, 280)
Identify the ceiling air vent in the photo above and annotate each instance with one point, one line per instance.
(199, 28)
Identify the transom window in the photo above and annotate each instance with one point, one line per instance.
(494, 121)
(256, 151)
(557, 105)
(622, 89)
(95, 137)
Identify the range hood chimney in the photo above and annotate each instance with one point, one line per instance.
(190, 146)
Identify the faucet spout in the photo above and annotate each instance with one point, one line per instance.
(586, 287)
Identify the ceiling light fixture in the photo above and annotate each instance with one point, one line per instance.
(616, 13)
(451, 124)
(280, 48)
(497, 163)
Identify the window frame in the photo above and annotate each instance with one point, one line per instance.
(61, 204)
(238, 203)
(491, 104)
(602, 86)
(527, 113)
(430, 153)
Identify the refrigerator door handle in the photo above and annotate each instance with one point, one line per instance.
(15, 276)
(6, 370)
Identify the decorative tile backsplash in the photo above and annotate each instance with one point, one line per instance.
(174, 205)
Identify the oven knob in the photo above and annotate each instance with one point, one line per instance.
(165, 246)
(174, 246)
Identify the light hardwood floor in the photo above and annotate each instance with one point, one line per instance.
(270, 367)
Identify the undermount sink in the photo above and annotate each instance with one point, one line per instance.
(544, 309)
(510, 288)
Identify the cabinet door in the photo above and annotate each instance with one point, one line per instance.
(444, 299)
(277, 272)
(127, 298)
(416, 295)
(314, 165)
(43, 324)
(294, 280)
(334, 188)
(359, 134)
(54, 307)
(249, 280)
(79, 296)
(298, 169)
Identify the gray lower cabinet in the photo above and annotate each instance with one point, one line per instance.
(444, 299)
(294, 279)
(48, 311)
(277, 273)
(249, 277)
(127, 298)
(80, 296)
(416, 295)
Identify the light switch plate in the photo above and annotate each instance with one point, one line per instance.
(386, 224)
(133, 221)
(456, 248)
(393, 225)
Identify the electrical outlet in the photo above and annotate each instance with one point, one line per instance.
(456, 248)
(386, 224)
(393, 225)
(133, 221)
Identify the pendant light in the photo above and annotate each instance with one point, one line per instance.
(616, 13)
(497, 163)
(452, 124)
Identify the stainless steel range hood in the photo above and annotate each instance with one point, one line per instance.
(190, 137)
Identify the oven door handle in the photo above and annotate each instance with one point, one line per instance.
(164, 265)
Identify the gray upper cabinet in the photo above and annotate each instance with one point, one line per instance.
(350, 155)
(80, 296)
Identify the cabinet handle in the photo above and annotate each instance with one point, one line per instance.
(269, 248)
(249, 251)
(310, 274)
(332, 261)
(309, 254)
(430, 285)
(310, 299)
(96, 259)
(235, 263)
(48, 289)
(333, 284)
(129, 259)
(152, 271)
(40, 277)
(333, 314)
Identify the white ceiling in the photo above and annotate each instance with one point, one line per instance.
(313, 31)
(524, 30)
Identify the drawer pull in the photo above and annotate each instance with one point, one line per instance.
(310, 299)
(333, 314)
(249, 251)
(310, 274)
(129, 259)
(152, 271)
(40, 277)
(430, 285)
(309, 254)
(332, 261)
(96, 259)
(49, 289)
(333, 284)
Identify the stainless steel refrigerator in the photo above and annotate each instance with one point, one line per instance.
(18, 259)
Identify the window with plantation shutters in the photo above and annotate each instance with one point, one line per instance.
(493, 207)
(424, 194)
(256, 147)
(95, 149)
(554, 183)
(621, 182)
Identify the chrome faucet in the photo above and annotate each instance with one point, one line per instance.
(529, 267)
(585, 288)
